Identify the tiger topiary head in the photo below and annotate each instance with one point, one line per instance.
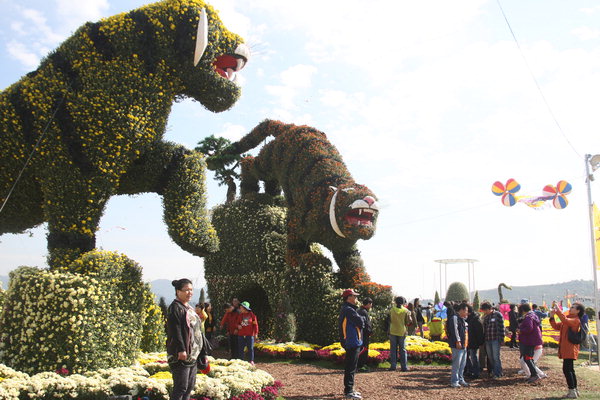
(353, 211)
(188, 37)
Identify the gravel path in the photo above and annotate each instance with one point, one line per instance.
(303, 381)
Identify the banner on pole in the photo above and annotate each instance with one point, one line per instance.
(597, 234)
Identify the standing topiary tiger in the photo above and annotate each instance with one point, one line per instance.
(92, 116)
(325, 205)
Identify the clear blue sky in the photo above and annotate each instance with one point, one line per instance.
(429, 103)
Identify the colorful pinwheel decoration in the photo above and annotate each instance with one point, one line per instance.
(557, 194)
(507, 191)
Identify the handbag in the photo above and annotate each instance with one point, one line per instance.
(577, 337)
(202, 360)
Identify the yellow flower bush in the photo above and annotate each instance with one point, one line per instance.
(225, 380)
(94, 318)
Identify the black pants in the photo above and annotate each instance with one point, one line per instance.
(527, 354)
(184, 380)
(363, 355)
(350, 370)
(569, 372)
(233, 346)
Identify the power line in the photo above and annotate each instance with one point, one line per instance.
(536, 82)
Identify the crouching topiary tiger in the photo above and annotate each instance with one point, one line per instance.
(325, 205)
(92, 116)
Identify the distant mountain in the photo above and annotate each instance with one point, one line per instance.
(583, 291)
(163, 288)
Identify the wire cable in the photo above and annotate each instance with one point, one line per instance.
(33, 151)
(536, 82)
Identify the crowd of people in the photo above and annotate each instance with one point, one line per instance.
(475, 337)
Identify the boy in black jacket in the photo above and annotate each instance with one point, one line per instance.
(363, 356)
(476, 339)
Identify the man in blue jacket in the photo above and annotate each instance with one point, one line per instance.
(351, 325)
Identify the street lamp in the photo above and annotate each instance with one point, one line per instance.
(594, 163)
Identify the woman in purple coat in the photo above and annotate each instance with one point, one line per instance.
(530, 336)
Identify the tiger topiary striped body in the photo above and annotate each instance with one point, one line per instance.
(92, 117)
(325, 205)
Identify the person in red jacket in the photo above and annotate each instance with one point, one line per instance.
(230, 323)
(247, 331)
(568, 351)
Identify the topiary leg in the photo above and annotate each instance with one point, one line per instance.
(352, 270)
(249, 181)
(184, 201)
(178, 174)
(73, 207)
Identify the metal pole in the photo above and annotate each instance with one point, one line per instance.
(440, 265)
(469, 273)
(588, 178)
(474, 287)
(445, 278)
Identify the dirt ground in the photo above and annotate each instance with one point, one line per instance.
(303, 381)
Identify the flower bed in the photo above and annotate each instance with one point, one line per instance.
(418, 349)
(550, 336)
(150, 377)
(285, 350)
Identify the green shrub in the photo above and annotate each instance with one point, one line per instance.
(590, 313)
(476, 301)
(457, 291)
(250, 264)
